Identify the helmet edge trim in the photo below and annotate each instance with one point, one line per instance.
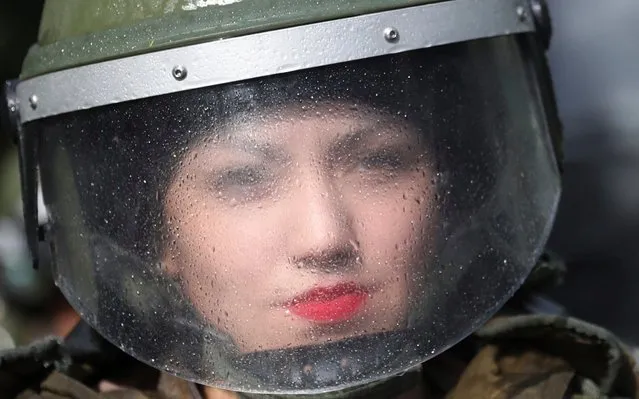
(315, 45)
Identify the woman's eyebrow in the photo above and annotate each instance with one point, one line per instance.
(354, 140)
(347, 143)
(243, 142)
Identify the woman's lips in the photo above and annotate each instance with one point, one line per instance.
(329, 304)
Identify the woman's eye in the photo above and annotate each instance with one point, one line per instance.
(386, 160)
(243, 184)
(245, 176)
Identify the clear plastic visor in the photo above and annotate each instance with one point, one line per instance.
(309, 231)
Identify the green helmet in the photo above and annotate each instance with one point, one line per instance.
(289, 196)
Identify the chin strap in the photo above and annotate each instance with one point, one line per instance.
(389, 388)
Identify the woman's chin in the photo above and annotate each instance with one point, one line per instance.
(300, 332)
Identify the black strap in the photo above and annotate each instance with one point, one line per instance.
(84, 355)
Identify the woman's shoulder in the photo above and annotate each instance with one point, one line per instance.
(83, 366)
(544, 356)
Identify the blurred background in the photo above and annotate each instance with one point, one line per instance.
(30, 306)
(594, 58)
(595, 63)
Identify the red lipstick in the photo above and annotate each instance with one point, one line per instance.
(329, 304)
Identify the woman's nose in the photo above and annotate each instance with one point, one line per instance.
(322, 234)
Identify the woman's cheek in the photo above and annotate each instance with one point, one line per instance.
(234, 251)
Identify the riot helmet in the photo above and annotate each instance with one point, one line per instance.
(292, 196)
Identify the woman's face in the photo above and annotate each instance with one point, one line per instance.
(304, 227)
